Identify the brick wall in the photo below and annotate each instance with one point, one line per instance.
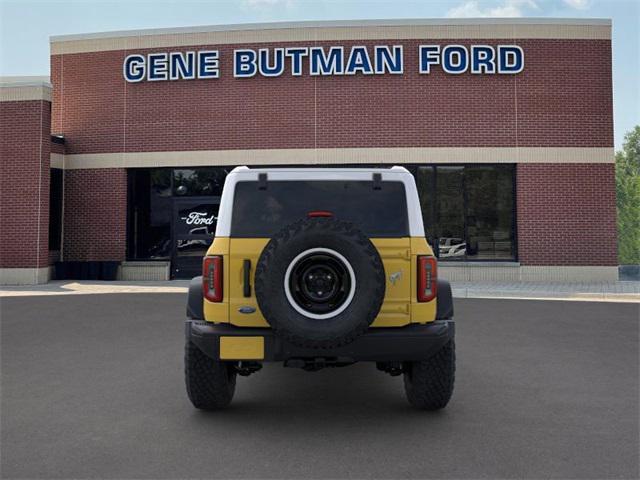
(562, 98)
(24, 183)
(566, 214)
(95, 214)
(57, 148)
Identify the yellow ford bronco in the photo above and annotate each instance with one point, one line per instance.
(319, 267)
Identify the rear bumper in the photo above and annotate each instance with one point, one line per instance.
(410, 343)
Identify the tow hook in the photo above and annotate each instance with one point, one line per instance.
(244, 369)
(392, 368)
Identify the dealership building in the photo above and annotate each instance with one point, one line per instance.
(119, 157)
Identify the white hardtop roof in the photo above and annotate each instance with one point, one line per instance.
(276, 170)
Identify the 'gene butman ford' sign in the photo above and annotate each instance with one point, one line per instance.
(274, 62)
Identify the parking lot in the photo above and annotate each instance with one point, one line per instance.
(92, 387)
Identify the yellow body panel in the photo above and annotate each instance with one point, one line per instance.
(241, 249)
(396, 257)
(241, 348)
(399, 256)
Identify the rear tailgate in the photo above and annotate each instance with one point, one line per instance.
(396, 256)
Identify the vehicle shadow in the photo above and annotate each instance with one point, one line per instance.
(357, 396)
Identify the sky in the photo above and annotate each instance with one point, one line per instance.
(25, 26)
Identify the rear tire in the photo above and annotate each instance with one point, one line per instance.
(210, 383)
(429, 383)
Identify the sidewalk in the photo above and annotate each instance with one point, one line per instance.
(85, 287)
(591, 292)
(579, 291)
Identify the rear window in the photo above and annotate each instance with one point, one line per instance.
(262, 213)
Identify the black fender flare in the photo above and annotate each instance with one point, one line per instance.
(444, 301)
(195, 299)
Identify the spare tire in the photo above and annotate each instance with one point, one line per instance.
(320, 283)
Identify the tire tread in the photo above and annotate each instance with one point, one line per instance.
(429, 383)
(210, 384)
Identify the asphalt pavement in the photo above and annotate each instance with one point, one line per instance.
(92, 387)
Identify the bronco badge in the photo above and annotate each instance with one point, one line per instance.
(395, 276)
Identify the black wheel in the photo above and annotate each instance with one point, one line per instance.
(429, 383)
(320, 283)
(210, 384)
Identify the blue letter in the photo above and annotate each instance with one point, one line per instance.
(208, 64)
(158, 66)
(483, 59)
(429, 55)
(510, 59)
(244, 63)
(274, 70)
(133, 68)
(462, 62)
(321, 64)
(386, 62)
(296, 55)
(359, 61)
(181, 68)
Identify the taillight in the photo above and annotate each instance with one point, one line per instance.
(212, 278)
(427, 278)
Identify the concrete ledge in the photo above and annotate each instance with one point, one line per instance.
(24, 276)
(626, 292)
(56, 160)
(335, 156)
(149, 271)
(568, 274)
(18, 89)
(514, 272)
(479, 272)
(452, 28)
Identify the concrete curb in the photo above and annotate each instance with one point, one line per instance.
(548, 296)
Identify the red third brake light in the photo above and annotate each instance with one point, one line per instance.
(319, 213)
(212, 278)
(427, 278)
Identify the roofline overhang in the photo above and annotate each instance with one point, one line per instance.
(333, 24)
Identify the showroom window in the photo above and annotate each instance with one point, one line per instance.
(469, 211)
(149, 214)
(152, 193)
(190, 182)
